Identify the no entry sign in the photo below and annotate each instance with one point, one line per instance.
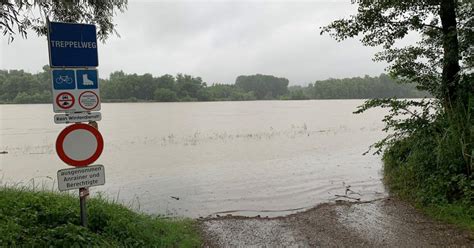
(79, 145)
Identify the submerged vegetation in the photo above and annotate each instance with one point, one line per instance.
(428, 154)
(17, 86)
(47, 219)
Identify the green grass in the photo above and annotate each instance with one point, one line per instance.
(457, 214)
(37, 218)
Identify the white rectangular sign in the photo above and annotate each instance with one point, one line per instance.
(82, 177)
(75, 90)
(77, 117)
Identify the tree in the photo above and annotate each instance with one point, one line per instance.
(446, 36)
(166, 81)
(188, 86)
(446, 31)
(429, 152)
(18, 16)
(124, 87)
(165, 95)
(361, 88)
(264, 86)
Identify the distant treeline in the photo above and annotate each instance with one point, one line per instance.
(355, 88)
(17, 86)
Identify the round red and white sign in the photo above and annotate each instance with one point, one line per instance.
(65, 100)
(79, 145)
(88, 100)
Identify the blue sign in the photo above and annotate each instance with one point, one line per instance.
(64, 80)
(87, 79)
(72, 45)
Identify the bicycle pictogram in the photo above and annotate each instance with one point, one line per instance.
(64, 79)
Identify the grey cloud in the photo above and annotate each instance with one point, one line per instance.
(219, 41)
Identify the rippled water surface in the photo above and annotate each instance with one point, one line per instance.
(262, 157)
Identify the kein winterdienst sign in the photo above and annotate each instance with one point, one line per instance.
(72, 45)
(77, 117)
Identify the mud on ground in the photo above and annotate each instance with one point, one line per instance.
(387, 222)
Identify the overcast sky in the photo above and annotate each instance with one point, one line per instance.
(219, 41)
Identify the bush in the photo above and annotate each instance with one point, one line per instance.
(428, 168)
(416, 169)
(428, 155)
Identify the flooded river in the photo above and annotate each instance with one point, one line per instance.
(198, 159)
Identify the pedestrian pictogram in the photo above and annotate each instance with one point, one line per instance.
(65, 100)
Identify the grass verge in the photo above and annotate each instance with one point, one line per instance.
(47, 219)
(458, 214)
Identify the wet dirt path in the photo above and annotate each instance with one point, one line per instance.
(387, 222)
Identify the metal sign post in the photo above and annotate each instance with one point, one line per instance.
(83, 193)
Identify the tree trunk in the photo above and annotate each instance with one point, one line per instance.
(450, 76)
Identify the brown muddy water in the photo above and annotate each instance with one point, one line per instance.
(266, 158)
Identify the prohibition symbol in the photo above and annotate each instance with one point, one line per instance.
(65, 100)
(79, 145)
(88, 100)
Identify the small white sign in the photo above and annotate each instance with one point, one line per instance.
(77, 117)
(88, 100)
(83, 177)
